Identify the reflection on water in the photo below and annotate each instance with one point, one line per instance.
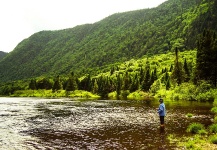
(32, 123)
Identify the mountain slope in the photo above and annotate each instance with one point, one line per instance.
(2, 55)
(117, 38)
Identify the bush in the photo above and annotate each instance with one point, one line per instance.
(214, 110)
(202, 132)
(195, 127)
(189, 115)
(215, 119)
(213, 139)
(213, 128)
(207, 96)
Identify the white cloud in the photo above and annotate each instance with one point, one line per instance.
(22, 18)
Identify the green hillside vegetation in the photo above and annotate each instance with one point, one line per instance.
(132, 55)
(145, 78)
(95, 48)
(2, 55)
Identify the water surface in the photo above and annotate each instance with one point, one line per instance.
(35, 123)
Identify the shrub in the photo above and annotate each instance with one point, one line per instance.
(213, 128)
(207, 96)
(189, 115)
(202, 132)
(213, 139)
(214, 110)
(195, 127)
(215, 119)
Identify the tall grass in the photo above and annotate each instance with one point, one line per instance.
(195, 127)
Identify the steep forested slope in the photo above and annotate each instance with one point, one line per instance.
(2, 54)
(117, 38)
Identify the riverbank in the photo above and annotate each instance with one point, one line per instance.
(137, 95)
(201, 138)
(56, 94)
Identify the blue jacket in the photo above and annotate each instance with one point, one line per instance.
(162, 110)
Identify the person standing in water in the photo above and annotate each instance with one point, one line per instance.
(162, 112)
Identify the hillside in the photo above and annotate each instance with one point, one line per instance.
(115, 39)
(2, 54)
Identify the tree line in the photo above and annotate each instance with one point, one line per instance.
(142, 78)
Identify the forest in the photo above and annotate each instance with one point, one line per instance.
(168, 51)
(188, 75)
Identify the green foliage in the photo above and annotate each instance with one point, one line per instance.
(32, 84)
(215, 119)
(206, 68)
(195, 127)
(213, 128)
(71, 84)
(139, 95)
(189, 91)
(50, 93)
(2, 55)
(96, 48)
(189, 115)
(214, 110)
(213, 139)
(57, 84)
(44, 83)
(202, 132)
(178, 72)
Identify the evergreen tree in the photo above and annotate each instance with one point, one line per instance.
(85, 83)
(57, 84)
(95, 86)
(146, 83)
(155, 74)
(44, 83)
(171, 68)
(71, 83)
(187, 72)
(168, 85)
(126, 83)
(166, 77)
(206, 58)
(177, 73)
(135, 84)
(118, 86)
(141, 75)
(32, 84)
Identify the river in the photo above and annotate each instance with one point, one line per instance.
(37, 123)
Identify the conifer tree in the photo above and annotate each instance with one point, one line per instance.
(206, 60)
(141, 75)
(57, 85)
(135, 84)
(171, 68)
(155, 74)
(118, 86)
(168, 85)
(126, 83)
(187, 72)
(95, 86)
(71, 83)
(177, 73)
(32, 84)
(146, 83)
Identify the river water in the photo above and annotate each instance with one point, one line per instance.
(36, 123)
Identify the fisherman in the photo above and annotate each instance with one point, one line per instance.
(162, 112)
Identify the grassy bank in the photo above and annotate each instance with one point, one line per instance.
(57, 94)
(201, 138)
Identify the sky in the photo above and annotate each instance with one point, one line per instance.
(19, 19)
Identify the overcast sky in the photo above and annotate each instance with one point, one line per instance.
(19, 19)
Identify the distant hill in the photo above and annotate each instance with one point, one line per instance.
(2, 55)
(115, 39)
